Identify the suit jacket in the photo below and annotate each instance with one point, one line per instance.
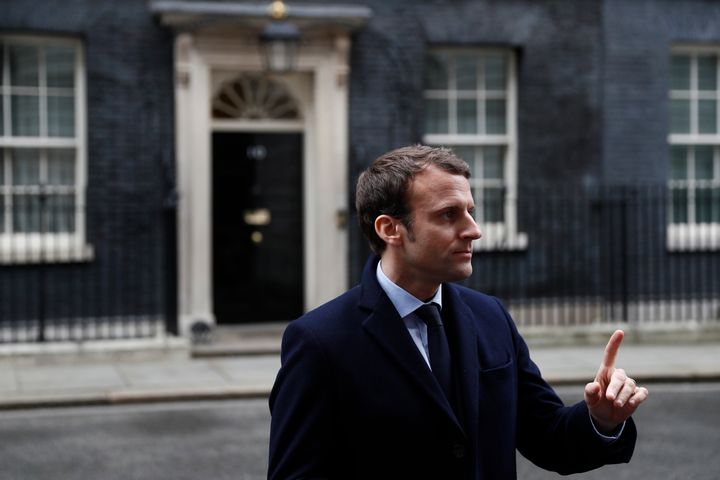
(355, 399)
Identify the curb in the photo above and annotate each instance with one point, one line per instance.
(643, 379)
(130, 398)
(236, 351)
(248, 393)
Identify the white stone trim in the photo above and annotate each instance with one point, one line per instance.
(320, 86)
(693, 237)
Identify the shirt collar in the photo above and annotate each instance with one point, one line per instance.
(405, 303)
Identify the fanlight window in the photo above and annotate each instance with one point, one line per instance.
(253, 97)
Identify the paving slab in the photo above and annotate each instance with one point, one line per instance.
(240, 369)
(63, 378)
(645, 363)
(185, 373)
(8, 382)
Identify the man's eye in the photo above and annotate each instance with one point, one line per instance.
(449, 214)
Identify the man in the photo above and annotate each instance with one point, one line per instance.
(371, 387)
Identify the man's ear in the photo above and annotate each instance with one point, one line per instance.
(388, 229)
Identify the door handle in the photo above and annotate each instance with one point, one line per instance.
(257, 217)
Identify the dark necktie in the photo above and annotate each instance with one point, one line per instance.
(438, 346)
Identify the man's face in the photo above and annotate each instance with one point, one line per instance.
(438, 246)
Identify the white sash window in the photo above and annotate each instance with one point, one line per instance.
(470, 106)
(42, 149)
(694, 170)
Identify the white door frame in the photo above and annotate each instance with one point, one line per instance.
(321, 89)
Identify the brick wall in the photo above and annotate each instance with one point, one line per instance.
(559, 56)
(130, 142)
(638, 36)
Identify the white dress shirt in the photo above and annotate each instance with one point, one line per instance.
(406, 304)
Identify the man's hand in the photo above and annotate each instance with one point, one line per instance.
(613, 396)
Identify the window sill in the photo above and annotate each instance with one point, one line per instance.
(499, 239)
(54, 254)
(685, 237)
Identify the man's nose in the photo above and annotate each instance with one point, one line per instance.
(472, 231)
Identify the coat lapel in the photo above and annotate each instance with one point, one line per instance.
(466, 359)
(385, 327)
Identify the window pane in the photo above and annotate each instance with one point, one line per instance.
(436, 116)
(495, 116)
(704, 162)
(707, 72)
(61, 116)
(707, 123)
(466, 72)
(61, 213)
(680, 72)
(25, 116)
(2, 82)
(493, 205)
(26, 213)
(26, 167)
(60, 64)
(493, 163)
(467, 154)
(703, 205)
(467, 116)
(23, 65)
(679, 116)
(678, 163)
(436, 72)
(495, 67)
(678, 209)
(2, 183)
(61, 167)
(707, 205)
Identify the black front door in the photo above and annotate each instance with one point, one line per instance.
(257, 226)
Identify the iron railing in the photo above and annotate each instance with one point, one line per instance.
(70, 273)
(563, 256)
(584, 256)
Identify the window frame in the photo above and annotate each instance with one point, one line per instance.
(45, 247)
(692, 235)
(502, 235)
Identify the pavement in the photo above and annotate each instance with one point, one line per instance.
(242, 362)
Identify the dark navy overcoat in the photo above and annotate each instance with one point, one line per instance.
(354, 399)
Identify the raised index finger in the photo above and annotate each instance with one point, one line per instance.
(612, 348)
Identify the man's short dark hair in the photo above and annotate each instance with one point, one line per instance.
(383, 188)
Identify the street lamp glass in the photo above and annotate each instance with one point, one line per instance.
(279, 44)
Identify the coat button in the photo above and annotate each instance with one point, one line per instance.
(458, 450)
